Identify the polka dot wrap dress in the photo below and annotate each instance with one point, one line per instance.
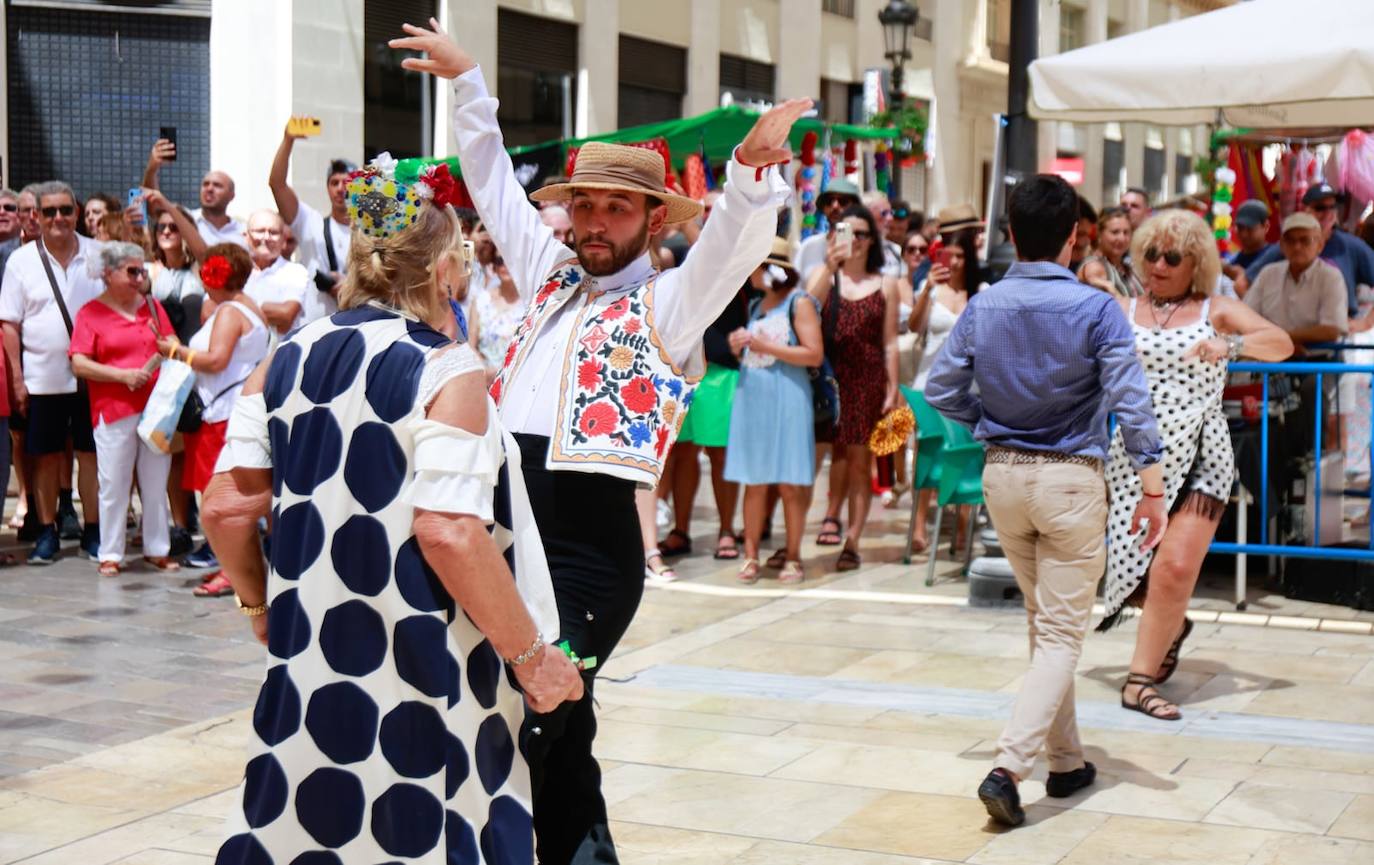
(1186, 395)
(386, 728)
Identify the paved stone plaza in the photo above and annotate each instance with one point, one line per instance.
(847, 722)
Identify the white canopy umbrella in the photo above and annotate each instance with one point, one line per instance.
(1263, 63)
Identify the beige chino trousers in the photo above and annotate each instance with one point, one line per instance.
(1051, 520)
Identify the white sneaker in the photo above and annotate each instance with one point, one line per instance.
(663, 514)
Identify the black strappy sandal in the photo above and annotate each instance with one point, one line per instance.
(1170, 663)
(1149, 699)
(677, 543)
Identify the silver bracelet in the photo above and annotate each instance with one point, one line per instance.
(1235, 344)
(526, 656)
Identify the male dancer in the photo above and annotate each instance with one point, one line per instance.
(596, 380)
(1051, 356)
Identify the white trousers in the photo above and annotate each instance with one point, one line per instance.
(118, 453)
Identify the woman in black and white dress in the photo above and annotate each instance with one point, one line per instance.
(1184, 336)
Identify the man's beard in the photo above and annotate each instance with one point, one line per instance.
(621, 254)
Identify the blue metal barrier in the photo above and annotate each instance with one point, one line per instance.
(1264, 548)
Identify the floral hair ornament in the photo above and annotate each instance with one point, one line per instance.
(215, 272)
(381, 205)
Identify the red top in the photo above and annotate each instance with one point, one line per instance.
(106, 336)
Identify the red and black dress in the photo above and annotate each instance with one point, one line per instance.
(859, 364)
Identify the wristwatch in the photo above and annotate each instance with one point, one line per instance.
(1235, 344)
(253, 611)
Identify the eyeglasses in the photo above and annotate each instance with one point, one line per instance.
(168, 228)
(135, 273)
(10, 208)
(264, 232)
(64, 209)
(1173, 257)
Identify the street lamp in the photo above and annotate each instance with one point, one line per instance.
(899, 19)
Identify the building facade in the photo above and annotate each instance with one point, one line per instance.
(227, 74)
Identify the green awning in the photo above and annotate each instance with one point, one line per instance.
(716, 131)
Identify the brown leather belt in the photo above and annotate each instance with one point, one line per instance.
(1014, 456)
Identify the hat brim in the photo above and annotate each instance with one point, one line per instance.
(680, 208)
(781, 262)
(960, 225)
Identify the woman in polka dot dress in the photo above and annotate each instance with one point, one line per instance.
(1184, 337)
(407, 590)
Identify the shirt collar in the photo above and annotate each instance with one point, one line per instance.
(1039, 270)
(1306, 273)
(271, 268)
(635, 273)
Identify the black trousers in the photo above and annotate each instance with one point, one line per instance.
(591, 536)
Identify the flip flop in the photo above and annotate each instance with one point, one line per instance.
(218, 587)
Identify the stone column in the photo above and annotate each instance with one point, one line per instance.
(1096, 31)
(948, 175)
(703, 59)
(598, 73)
(1047, 131)
(799, 49)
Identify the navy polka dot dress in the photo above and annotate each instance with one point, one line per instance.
(1186, 395)
(386, 727)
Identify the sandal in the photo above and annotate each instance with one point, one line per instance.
(748, 572)
(661, 574)
(776, 561)
(830, 537)
(109, 569)
(792, 574)
(849, 560)
(165, 564)
(724, 552)
(1170, 663)
(217, 587)
(1148, 701)
(676, 544)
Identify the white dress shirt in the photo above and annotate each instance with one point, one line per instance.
(311, 252)
(280, 282)
(687, 299)
(26, 301)
(232, 232)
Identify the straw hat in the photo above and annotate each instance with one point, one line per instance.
(781, 254)
(622, 168)
(957, 217)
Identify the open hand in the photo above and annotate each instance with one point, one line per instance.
(766, 143)
(446, 59)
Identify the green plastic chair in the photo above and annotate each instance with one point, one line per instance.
(961, 483)
(930, 443)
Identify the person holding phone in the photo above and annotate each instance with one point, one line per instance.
(323, 241)
(952, 282)
(860, 304)
(217, 190)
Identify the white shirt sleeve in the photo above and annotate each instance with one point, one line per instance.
(246, 444)
(12, 294)
(525, 242)
(735, 240)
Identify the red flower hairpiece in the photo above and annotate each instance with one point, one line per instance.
(442, 185)
(215, 272)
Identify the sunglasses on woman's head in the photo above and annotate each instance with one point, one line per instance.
(1173, 257)
(64, 209)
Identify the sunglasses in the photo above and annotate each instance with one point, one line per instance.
(1173, 257)
(919, 250)
(9, 208)
(135, 273)
(168, 228)
(64, 209)
(862, 235)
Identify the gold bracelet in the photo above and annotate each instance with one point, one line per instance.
(253, 611)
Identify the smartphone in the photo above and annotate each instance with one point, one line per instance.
(844, 238)
(301, 125)
(943, 257)
(169, 133)
(136, 197)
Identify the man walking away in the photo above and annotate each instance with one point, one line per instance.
(1050, 357)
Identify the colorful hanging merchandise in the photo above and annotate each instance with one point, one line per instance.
(1351, 168)
(694, 177)
(1297, 172)
(851, 161)
(1221, 208)
(882, 175)
(806, 184)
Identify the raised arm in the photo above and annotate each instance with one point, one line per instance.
(735, 239)
(525, 242)
(287, 202)
(163, 150)
(157, 203)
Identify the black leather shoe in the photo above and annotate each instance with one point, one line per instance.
(1063, 784)
(999, 795)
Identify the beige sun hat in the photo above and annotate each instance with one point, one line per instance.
(781, 254)
(621, 167)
